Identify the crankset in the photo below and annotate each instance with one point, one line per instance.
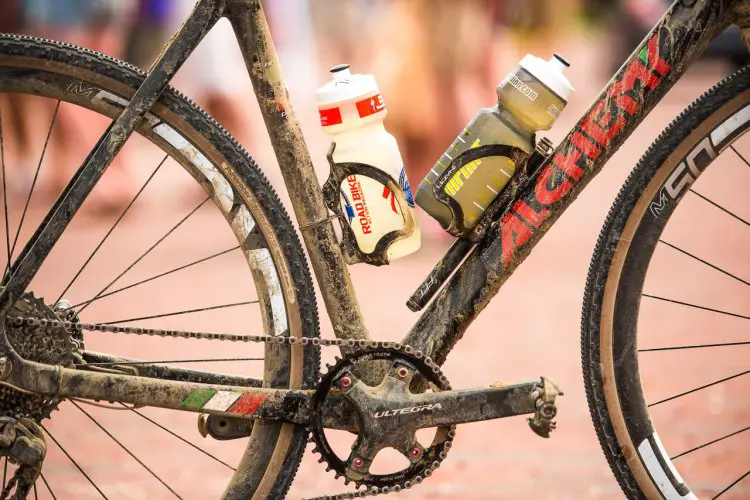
(390, 414)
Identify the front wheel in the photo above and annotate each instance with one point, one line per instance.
(665, 340)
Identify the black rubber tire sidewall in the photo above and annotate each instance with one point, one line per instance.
(675, 137)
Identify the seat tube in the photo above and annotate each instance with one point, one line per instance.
(262, 62)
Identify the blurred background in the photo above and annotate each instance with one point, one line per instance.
(437, 62)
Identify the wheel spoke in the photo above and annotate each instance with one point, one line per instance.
(5, 472)
(688, 304)
(74, 462)
(710, 443)
(743, 476)
(157, 424)
(700, 346)
(171, 361)
(728, 212)
(36, 496)
(49, 488)
(5, 198)
(109, 232)
(177, 313)
(705, 262)
(738, 154)
(126, 449)
(152, 278)
(700, 388)
(131, 266)
(36, 176)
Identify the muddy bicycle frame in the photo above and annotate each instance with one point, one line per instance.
(661, 59)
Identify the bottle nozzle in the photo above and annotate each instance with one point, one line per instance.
(557, 58)
(341, 72)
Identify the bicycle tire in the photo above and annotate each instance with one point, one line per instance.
(90, 79)
(615, 282)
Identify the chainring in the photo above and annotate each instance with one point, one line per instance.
(418, 469)
(48, 345)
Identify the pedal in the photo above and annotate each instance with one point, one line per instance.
(543, 399)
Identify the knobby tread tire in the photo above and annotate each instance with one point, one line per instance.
(598, 274)
(79, 58)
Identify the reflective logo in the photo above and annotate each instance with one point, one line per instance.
(411, 409)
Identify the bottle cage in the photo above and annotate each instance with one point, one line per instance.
(331, 194)
(457, 227)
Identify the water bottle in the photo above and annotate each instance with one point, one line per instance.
(528, 100)
(381, 215)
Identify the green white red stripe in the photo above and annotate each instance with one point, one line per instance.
(237, 403)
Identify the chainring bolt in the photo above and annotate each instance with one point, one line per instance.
(345, 381)
(357, 462)
(415, 452)
(402, 372)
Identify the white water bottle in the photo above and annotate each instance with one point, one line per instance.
(352, 112)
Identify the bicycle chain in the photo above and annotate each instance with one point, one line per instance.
(78, 327)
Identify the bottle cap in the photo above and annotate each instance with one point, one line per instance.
(550, 73)
(345, 86)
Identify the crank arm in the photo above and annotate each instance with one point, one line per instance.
(468, 405)
(455, 407)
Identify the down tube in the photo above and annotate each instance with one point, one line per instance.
(661, 59)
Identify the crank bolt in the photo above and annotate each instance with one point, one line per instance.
(415, 452)
(548, 411)
(345, 381)
(357, 463)
(402, 372)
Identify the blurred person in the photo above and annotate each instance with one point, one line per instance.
(215, 75)
(431, 62)
(15, 124)
(629, 21)
(94, 24)
(10, 16)
(345, 31)
(293, 35)
(149, 31)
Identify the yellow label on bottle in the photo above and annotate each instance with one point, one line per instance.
(453, 185)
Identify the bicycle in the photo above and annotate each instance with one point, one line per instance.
(381, 392)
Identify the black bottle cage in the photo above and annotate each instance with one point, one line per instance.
(457, 227)
(331, 195)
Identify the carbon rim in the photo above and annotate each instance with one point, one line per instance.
(629, 413)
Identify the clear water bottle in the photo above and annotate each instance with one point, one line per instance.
(352, 113)
(528, 100)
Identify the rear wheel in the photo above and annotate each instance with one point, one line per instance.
(665, 340)
(199, 223)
